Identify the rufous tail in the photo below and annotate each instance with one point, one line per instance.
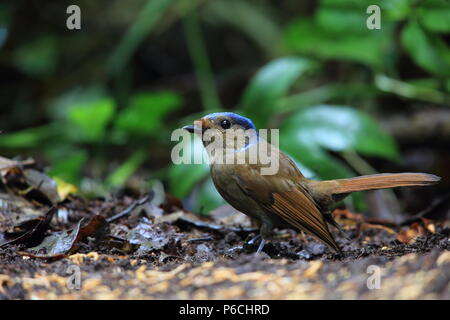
(383, 181)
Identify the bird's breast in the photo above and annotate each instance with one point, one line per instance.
(222, 176)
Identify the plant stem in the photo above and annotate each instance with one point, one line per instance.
(148, 17)
(199, 56)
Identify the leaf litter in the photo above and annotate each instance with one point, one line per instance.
(147, 240)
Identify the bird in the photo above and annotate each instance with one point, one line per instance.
(286, 198)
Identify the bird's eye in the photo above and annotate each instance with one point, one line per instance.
(225, 124)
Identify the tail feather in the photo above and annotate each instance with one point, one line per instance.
(383, 181)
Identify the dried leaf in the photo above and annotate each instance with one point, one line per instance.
(171, 203)
(15, 210)
(193, 220)
(64, 188)
(61, 244)
(55, 246)
(42, 183)
(29, 232)
(410, 235)
(147, 237)
(227, 215)
(346, 214)
(169, 218)
(31, 184)
(96, 227)
(365, 226)
(6, 164)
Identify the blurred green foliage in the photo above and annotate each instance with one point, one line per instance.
(317, 73)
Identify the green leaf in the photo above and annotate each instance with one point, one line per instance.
(335, 128)
(27, 138)
(330, 92)
(424, 89)
(395, 9)
(6, 10)
(308, 134)
(183, 177)
(270, 84)
(359, 4)
(250, 18)
(307, 172)
(437, 20)
(194, 180)
(312, 157)
(338, 20)
(123, 172)
(207, 197)
(69, 167)
(427, 50)
(144, 23)
(91, 118)
(58, 108)
(37, 58)
(3, 36)
(146, 112)
(371, 47)
(391, 9)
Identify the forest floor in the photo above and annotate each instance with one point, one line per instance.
(164, 252)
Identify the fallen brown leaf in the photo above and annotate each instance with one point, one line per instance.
(31, 231)
(412, 233)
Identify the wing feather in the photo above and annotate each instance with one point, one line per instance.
(282, 194)
(297, 208)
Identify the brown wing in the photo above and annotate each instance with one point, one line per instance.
(297, 208)
(283, 194)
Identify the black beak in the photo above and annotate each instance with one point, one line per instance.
(189, 128)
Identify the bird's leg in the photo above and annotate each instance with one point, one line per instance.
(261, 246)
(254, 239)
(329, 218)
(265, 229)
(303, 237)
(264, 232)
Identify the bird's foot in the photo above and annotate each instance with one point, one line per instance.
(261, 246)
(254, 240)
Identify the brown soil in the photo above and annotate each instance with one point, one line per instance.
(171, 254)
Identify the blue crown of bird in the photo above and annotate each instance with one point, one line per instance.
(287, 199)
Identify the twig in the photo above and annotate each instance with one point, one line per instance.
(200, 239)
(198, 52)
(17, 164)
(133, 206)
(436, 211)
